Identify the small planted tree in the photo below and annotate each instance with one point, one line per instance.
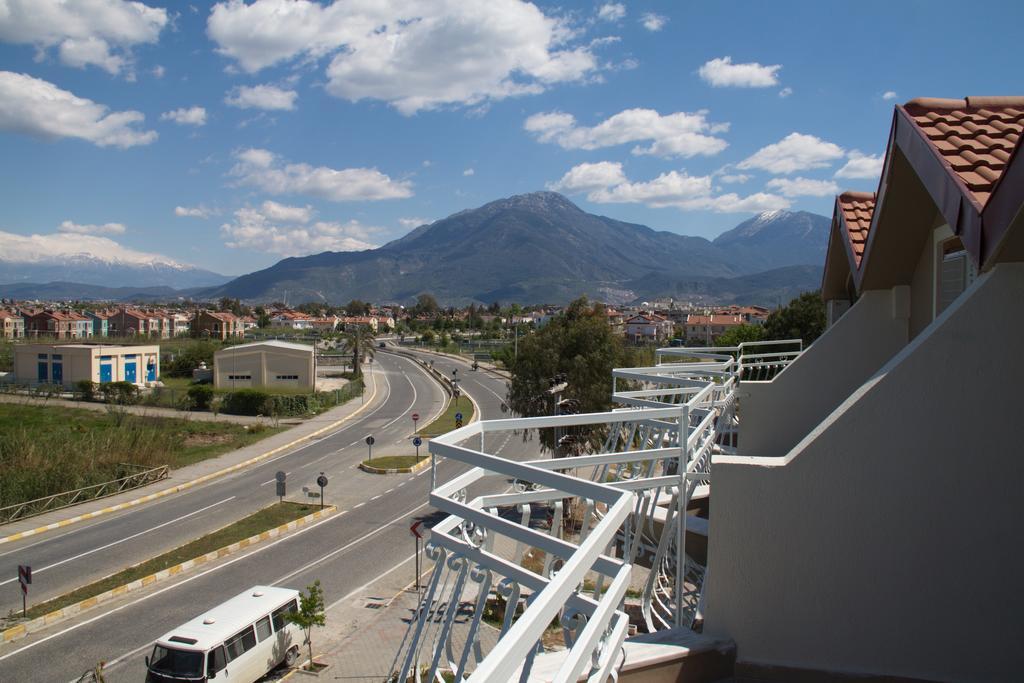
(311, 613)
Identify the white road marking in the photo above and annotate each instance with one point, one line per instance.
(271, 481)
(40, 570)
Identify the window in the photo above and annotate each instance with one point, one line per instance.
(278, 614)
(42, 356)
(263, 629)
(180, 663)
(240, 643)
(287, 376)
(58, 356)
(239, 377)
(217, 661)
(954, 273)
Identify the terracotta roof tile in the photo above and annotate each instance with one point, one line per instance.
(975, 136)
(857, 209)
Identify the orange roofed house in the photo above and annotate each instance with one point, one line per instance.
(869, 527)
(217, 325)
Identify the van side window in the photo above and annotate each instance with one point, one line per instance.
(240, 643)
(278, 614)
(263, 628)
(216, 661)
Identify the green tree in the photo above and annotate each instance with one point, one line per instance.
(739, 334)
(357, 307)
(426, 304)
(803, 318)
(262, 317)
(311, 613)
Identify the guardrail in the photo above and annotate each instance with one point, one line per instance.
(65, 499)
(623, 502)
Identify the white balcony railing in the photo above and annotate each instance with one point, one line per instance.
(620, 503)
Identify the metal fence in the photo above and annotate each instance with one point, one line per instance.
(143, 477)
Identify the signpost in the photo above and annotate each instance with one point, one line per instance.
(458, 420)
(417, 442)
(25, 578)
(415, 531)
(321, 482)
(415, 419)
(280, 476)
(369, 444)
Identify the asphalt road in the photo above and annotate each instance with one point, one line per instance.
(346, 551)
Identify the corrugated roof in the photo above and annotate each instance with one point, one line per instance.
(273, 343)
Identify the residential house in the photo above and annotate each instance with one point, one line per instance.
(12, 325)
(878, 478)
(702, 329)
(100, 322)
(352, 323)
(129, 322)
(293, 319)
(181, 324)
(51, 323)
(648, 327)
(217, 325)
(248, 323)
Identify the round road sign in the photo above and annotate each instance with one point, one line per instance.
(321, 481)
(280, 476)
(370, 441)
(415, 416)
(458, 417)
(417, 442)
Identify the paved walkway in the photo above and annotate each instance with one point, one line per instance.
(206, 467)
(151, 411)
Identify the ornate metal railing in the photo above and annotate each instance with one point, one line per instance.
(621, 502)
(65, 499)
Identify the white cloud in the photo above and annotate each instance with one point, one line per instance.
(795, 152)
(785, 92)
(413, 222)
(469, 172)
(889, 95)
(158, 71)
(680, 134)
(193, 116)
(604, 183)
(193, 211)
(734, 178)
(79, 229)
(415, 56)
(653, 22)
(263, 169)
(268, 97)
(292, 231)
(611, 11)
(587, 177)
(860, 165)
(57, 247)
(721, 72)
(37, 107)
(85, 33)
(803, 187)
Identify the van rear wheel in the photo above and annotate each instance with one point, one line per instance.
(291, 657)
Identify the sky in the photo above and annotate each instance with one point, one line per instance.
(230, 135)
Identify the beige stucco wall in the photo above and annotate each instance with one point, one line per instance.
(81, 362)
(264, 364)
(775, 415)
(888, 540)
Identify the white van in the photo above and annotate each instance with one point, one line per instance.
(236, 642)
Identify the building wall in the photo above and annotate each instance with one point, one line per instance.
(265, 366)
(887, 541)
(83, 362)
(777, 414)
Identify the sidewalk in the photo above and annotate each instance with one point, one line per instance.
(206, 468)
(151, 411)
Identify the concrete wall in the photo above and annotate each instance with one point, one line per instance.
(83, 362)
(889, 540)
(775, 415)
(265, 365)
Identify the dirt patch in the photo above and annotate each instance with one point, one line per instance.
(206, 439)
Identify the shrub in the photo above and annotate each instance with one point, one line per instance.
(87, 388)
(246, 402)
(122, 393)
(200, 396)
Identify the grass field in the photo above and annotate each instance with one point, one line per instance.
(260, 521)
(49, 449)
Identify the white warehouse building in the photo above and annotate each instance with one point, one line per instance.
(265, 364)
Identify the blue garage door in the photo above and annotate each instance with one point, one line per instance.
(106, 374)
(58, 373)
(42, 372)
(129, 371)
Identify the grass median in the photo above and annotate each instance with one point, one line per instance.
(258, 522)
(394, 462)
(446, 421)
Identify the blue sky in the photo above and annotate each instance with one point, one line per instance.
(231, 135)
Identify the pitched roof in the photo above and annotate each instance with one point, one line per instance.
(975, 136)
(855, 209)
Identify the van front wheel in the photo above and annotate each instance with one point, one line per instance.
(291, 657)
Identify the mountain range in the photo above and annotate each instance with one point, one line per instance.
(540, 247)
(93, 269)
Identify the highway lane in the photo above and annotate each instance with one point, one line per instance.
(345, 552)
(85, 552)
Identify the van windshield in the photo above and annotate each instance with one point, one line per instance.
(177, 663)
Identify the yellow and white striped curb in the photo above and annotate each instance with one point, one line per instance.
(422, 464)
(188, 484)
(50, 618)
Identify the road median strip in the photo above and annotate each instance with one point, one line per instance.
(128, 580)
(188, 484)
(395, 464)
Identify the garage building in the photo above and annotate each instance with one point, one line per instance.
(265, 364)
(66, 364)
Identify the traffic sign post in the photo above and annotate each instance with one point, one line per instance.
(417, 442)
(280, 477)
(415, 419)
(458, 420)
(415, 531)
(369, 444)
(24, 578)
(321, 482)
